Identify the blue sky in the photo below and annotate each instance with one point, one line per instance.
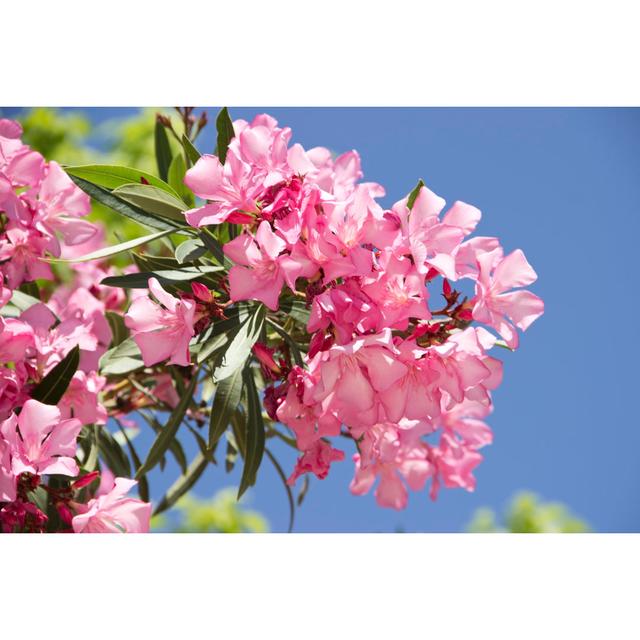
(563, 184)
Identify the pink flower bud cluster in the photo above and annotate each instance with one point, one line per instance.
(41, 213)
(409, 383)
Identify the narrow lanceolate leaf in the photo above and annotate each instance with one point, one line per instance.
(297, 309)
(225, 133)
(190, 250)
(22, 300)
(254, 445)
(227, 398)
(153, 200)
(169, 431)
(140, 280)
(174, 447)
(214, 246)
(53, 386)
(118, 248)
(124, 358)
(111, 452)
(163, 150)
(183, 483)
(191, 152)
(295, 349)
(105, 197)
(240, 344)
(119, 331)
(205, 350)
(143, 484)
(283, 477)
(411, 200)
(114, 176)
(177, 171)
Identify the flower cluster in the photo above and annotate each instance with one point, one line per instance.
(409, 383)
(41, 213)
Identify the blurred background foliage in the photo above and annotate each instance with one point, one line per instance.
(527, 513)
(220, 514)
(71, 138)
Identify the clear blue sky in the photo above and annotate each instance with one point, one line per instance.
(563, 184)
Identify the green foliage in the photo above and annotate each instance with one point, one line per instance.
(528, 514)
(220, 514)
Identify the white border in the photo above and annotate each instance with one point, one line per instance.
(321, 586)
(287, 52)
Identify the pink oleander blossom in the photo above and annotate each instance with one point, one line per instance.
(40, 441)
(113, 512)
(162, 330)
(81, 399)
(495, 304)
(317, 460)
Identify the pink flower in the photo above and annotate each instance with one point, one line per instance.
(317, 460)
(22, 250)
(495, 305)
(262, 266)
(393, 455)
(60, 205)
(41, 443)
(162, 330)
(15, 338)
(112, 512)
(81, 399)
(7, 477)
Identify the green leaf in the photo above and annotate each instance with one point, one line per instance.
(209, 347)
(30, 289)
(118, 328)
(22, 301)
(175, 447)
(140, 280)
(214, 246)
(53, 386)
(183, 483)
(114, 176)
(303, 490)
(283, 477)
(169, 431)
(177, 171)
(191, 152)
(143, 484)
(112, 453)
(163, 150)
(190, 250)
(105, 197)
(115, 249)
(124, 358)
(225, 133)
(153, 200)
(297, 309)
(414, 194)
(295, 349)
(241, 343)
(255, 437)
(231, 455)
(227, 398)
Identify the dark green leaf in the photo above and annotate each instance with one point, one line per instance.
(183, 483)
(153, 200)
(177, 171)
(169, 431)
(143, 484)
(206, 349)
(283, 477)
(297, 309)
(190, 250)
(53, 386)
(30, 289)
(232, 453)
(105, 197)
(192, 153)
(113, 455)
(113, 176)
(255, 436)
(303, 490)
(295, 350)
(225, 133)
(118, 328)
(241, 343)
(163, 150)
(175, 447)
(140, 280)
(214, 246)
(414, 194)
(227, 398)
